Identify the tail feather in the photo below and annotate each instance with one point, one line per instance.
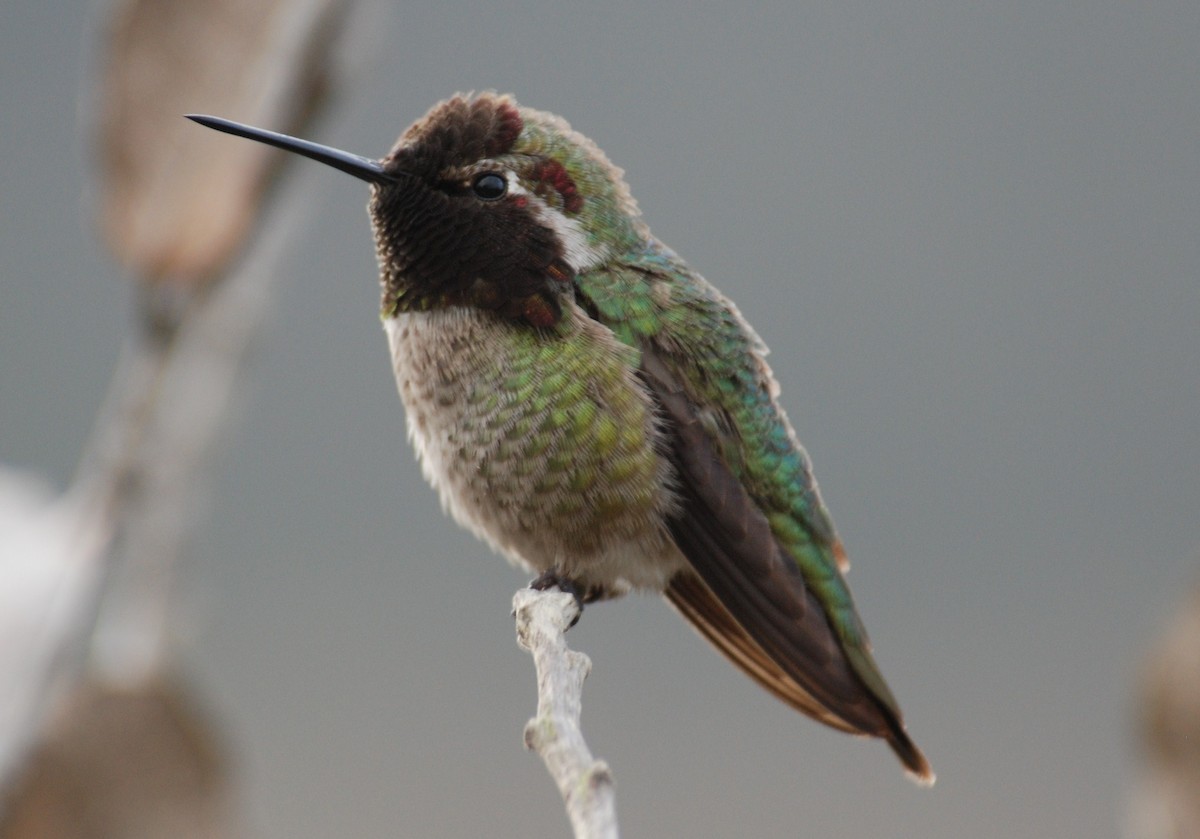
(916, 766)
(697, 604)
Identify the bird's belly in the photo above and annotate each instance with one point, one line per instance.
(544, 445)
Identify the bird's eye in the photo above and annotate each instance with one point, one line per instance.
(489, 186)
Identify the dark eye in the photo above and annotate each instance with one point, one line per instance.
(489, 186)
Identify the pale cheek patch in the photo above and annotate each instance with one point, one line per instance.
(576, 251)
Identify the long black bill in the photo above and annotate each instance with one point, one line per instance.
(352, 164)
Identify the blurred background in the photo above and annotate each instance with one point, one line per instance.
(969, 232)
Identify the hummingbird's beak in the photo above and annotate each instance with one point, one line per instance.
(352, 164)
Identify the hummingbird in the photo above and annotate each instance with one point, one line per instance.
(595, 410)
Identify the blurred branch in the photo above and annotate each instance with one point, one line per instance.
(89, 574)
(50, 575)
(149, 456)
(586, 784)
(83, 610)
(178, 209)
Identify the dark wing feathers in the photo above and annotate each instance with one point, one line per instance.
(752, 603)
(785, 619)
(701, 608)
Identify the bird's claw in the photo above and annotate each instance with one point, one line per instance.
(552, 579)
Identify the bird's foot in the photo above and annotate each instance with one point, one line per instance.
(553, 579)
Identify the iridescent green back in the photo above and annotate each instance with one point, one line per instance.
(653, 298)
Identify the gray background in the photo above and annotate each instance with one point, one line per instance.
(969, 232)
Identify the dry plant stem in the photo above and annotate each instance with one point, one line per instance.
(136, 490)
(149, 465)
(586, 784)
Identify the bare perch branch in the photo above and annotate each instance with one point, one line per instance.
(586, 784)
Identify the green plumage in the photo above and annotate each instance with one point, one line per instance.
(597, 411)
(653, 297)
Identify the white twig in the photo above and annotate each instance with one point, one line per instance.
(586, 784)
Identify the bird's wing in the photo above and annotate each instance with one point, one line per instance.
(701, 608)
(770, 593)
